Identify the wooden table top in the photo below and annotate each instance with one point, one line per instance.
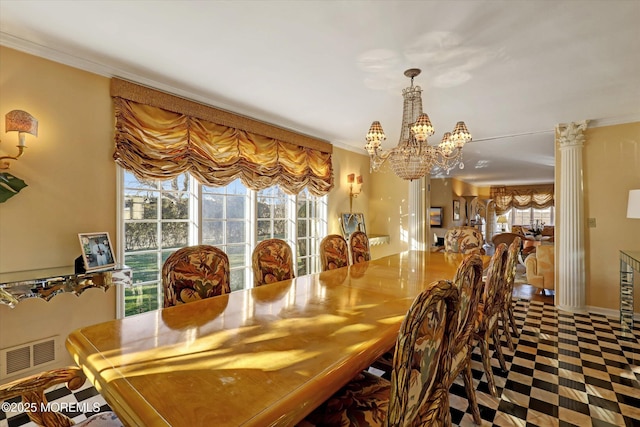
(257, 357)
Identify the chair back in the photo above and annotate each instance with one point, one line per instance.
(493, 292)
(506, 238)
(468, 281)
(32, 390)
(272, 261)
(193, 273)
(334, 252)
(464, 240)
(418, 394)
(359, 243)
(510, 271)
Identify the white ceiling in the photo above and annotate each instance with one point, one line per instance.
(511, 70)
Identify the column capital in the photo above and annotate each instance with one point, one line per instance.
(571, 134)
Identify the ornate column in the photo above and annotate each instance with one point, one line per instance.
(570, 286)
(419, 214)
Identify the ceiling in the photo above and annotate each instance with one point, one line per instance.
(511, 70)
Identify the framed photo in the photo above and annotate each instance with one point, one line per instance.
(456, 210)
(435, 217)
(97, 252)
(351, 222)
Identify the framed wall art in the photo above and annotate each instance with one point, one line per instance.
(456, 210)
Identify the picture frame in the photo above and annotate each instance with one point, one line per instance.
(456, 210)
(350, 222)
(97, 251)
(435, 216)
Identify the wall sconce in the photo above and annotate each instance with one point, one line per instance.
(21, 122)
(351, 179)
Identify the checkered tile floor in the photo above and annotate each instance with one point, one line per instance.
(567, 370)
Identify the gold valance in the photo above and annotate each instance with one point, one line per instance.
(522, 197)
(159, 136)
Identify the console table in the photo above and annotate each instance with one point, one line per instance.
(48, 282)
(629, 261)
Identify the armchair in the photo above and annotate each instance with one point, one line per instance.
(464, 240)
(541, 267)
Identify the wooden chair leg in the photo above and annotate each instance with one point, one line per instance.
(504, 322)
(512, 322)
(486, 362)
(498, 349)
(471, 393)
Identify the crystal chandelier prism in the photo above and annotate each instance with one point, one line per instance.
(413, 157)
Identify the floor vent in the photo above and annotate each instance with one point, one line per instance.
(23, 358)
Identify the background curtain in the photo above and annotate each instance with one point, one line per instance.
(522, 197)
(161, 143)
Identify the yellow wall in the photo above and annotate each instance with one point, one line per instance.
(611, 161)
(68, 167)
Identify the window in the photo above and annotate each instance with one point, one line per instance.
(159, 217)
(528, 216)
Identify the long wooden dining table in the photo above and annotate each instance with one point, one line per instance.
(258, 357)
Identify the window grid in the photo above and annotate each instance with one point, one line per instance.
(159, 217)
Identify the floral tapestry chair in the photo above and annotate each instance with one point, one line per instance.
(468, 281)
(464, 240)
(193, 273)
(507, 317)
(334, 252)
(417, 393)
(32, 390)
(272, 261)
(489, 312)
(359, 243)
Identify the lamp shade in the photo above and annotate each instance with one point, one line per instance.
(633, 206)
(21, 121)
(502, 219)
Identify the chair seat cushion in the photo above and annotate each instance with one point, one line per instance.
(103, 419)
(364, 401)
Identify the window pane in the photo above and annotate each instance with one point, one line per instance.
(144, 266)
(175, 206)
(175, 234)
(238, 280)
(212, 206)
(237, 255)
(130, 181)
(264, 229)
(140, 236)
(140, 205)
(139, 299)
(236, 232)
(236, 207)
(179, 183)
(213, 232)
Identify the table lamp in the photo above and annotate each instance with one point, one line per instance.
(633, 206)
(502, 220)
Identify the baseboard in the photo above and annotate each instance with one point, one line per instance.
(610, 313)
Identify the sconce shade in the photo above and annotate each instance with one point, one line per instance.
(633, 206)
(350, 178)
(21, 121)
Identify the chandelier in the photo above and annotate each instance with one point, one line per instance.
(413, 157)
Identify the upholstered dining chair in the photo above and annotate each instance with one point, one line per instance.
(359, 243)
(464, 240)
(417, 393)
(32, 390)
(489, 311)
(272, 261)
(193, 273)
(334, 252)
(468, 281)
(507, 318)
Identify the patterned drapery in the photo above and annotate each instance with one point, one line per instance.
(160, 136)
(522, 197)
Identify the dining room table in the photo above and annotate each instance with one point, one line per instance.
(263, 356)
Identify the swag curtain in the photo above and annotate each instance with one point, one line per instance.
(522, 197)
(160, 136)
